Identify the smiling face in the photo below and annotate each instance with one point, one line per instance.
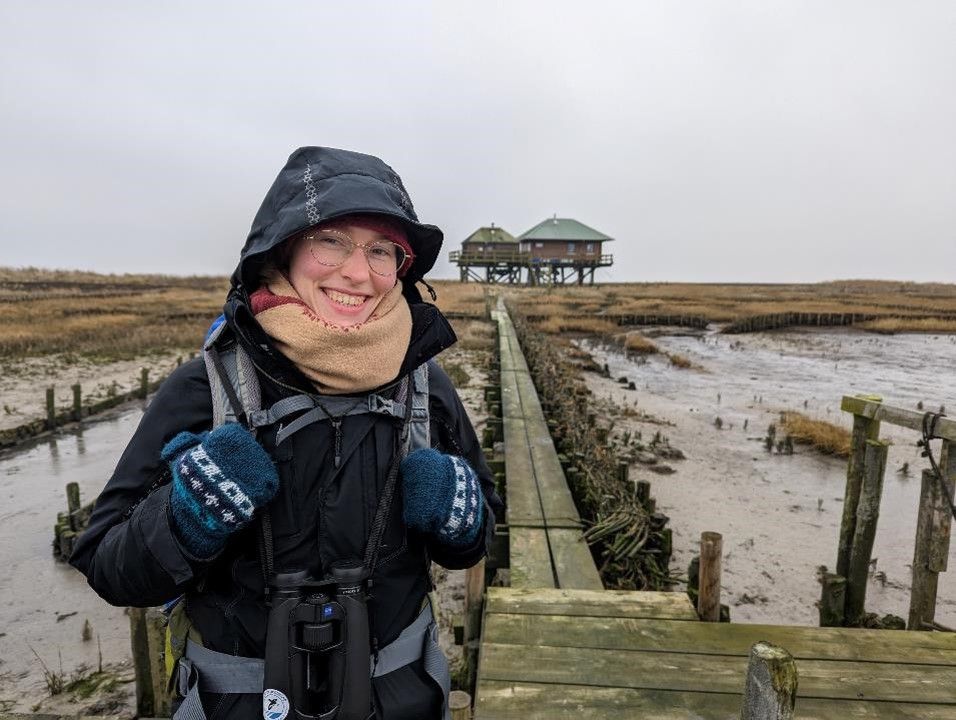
(342, 295)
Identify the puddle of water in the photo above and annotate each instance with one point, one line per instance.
(780, 515)
(44, 602)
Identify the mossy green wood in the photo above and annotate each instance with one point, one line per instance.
(503, 700)
(713, 673)
(650, 634)
(573, 564)
(596, 603)
(530, 558)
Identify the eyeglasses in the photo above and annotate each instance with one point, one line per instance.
(333, 248)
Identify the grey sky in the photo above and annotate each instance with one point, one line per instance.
(717, 141)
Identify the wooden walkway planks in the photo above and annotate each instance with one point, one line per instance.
(544, 525)
(556, 645)
(616, 654)
(498, 700)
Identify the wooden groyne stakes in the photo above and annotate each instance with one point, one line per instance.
(770, 691)
(708, 602)
(53, 419)
(147, 628)
(844, 593)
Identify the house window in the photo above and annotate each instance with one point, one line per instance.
(539, 245)
(570, 248)
(589, 248)
(525, 247)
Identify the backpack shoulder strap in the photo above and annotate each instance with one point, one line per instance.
(233, 383)
(420, 431)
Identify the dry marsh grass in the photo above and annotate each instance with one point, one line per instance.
(680, 361)
(596, 325)
(120, 316)
(824, 436)
(903, 307)
(924, 325)
(637, 343)
(103, 316)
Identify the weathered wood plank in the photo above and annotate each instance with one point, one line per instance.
(713, 673)
(573, 564)
(510, 397)
(521, 490)
(529, 396)
(496, 700)
(530, 558)
(606, 603)
(945, 427)
(615, 633)
(556, 500)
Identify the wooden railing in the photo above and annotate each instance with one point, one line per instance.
(844, 593)
(526, 258)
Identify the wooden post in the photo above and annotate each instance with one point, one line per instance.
(642, 488)
(72, 496)
(474, 596)
(622, 470)
(155, 623)
(867, 514)
(67, 539)
(139, 643)
(832, 600)
(50, 409)
(459, 702)
(708, 602)
(77, 403)
(863, 429)
(143, 383)
(933, 527)
(770, 691)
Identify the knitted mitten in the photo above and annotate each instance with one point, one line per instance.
(442, 496)
(219, 479)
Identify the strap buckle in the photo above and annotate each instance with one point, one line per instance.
(379, 404)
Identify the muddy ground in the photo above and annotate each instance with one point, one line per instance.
(780, 514)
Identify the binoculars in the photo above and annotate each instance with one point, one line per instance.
(317, 647)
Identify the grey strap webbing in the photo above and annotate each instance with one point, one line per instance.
(242, 377)
(204, 670)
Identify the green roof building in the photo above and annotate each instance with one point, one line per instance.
(555, 251)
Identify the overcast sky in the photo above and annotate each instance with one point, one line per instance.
(725, 140)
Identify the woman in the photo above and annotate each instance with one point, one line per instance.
(324, 365)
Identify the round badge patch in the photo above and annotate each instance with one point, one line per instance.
(275, 705)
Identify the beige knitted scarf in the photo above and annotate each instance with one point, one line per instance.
(338, 360)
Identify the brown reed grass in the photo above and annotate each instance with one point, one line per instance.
(914, 325)
(637, 343)
(104, 316)
(824, 436)
(679, 361)
(588, 325)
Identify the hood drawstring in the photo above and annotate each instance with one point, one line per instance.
(431, 290)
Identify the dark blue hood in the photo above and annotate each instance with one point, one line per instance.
(319, 184)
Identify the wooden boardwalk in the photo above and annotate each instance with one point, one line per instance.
(556, 645)
(615, 654)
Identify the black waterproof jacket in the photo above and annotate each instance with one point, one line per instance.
(131, 555)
